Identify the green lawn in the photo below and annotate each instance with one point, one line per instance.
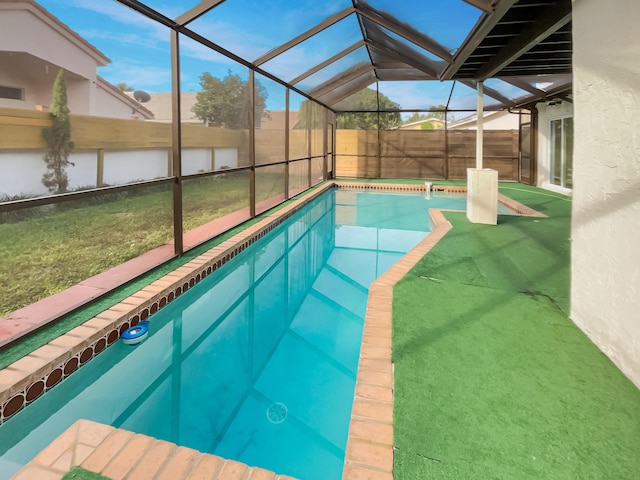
(78, 473)
(59, 246)
(492, 379)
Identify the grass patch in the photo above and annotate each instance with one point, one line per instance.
(47, 249)
(79, 473)
(492, 379)
(35, 340)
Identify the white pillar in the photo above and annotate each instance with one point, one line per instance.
(482, 183)
(479, 132)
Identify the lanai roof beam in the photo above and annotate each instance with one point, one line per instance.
(303, 36)
(486, 6)
(329, 61)
(477, 35)
(490, 92)
(336, 82)
(390, 23)
(553, 18)
(203, 7)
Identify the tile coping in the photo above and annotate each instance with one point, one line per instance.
(369, 452)
(120, 454)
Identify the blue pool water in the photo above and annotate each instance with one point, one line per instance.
(258, 361)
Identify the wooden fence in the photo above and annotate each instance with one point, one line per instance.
(22, 129)
(432, 154)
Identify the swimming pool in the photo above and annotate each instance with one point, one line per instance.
(229, 366)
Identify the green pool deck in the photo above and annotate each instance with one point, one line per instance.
(492, 379)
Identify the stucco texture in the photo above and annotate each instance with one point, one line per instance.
(606, 197)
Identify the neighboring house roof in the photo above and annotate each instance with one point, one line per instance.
(124, 97)
(507, 121)
(436, 122)
(53, 22)
(160, 106)
(35, 45)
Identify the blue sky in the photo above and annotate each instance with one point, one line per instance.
(139, 49)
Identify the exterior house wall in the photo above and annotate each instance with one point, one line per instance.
(108, 107)
(17, 33)
(16, 77)
(605, 260)
(79, 97)
(35, 45)
(547, 112)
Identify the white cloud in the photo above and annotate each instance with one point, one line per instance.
(138, 76)
(128, 38)
(242, 43)
(193, 49)
(125, 16)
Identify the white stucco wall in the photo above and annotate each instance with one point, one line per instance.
(546, 112)
(605, 264)
(23, 169)
(22, 173)
(79, 97)
(107, 106)
(127, 166)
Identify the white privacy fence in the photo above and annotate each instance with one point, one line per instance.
(22, 171)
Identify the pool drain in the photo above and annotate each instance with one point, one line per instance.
(277, 412)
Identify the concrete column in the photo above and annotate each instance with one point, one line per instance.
(482, 183)
(479, 126)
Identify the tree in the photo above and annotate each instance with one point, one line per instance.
(435, 111)
(225, 103)
(311, 114)
(123, 87)
(416, 117)
(58, 138)
(367, 100)
(439, 112)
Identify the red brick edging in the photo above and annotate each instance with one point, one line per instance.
(369, 452)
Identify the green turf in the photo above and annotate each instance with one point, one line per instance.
(78, 473)
(492, 380)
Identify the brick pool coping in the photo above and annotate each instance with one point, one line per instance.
(119, 454)
(369, 452)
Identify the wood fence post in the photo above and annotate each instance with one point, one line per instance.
(100, 168)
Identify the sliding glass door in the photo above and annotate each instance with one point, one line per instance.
(561, 154)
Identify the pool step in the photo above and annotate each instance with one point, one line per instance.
(120, 454)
